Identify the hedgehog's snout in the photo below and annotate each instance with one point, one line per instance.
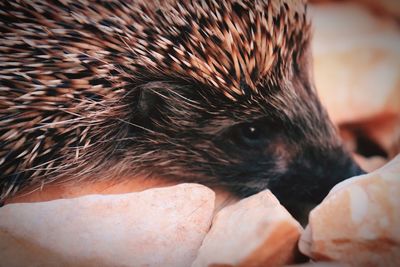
(310, 177)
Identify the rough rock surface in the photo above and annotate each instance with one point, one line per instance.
(157, 227)
(356, 61)
(256, 231)
(320, 264)
(370, 164)
(359, 221)
(388, 8)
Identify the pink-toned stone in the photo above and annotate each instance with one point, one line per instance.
(385, 8)
(385, 132)
(156, 227)
(359, 221)
(256, 231)
(356, 61)
(370, 164)
(74, 189)
(320, 264)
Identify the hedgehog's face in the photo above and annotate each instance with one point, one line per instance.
(226, 99)
(280, 139)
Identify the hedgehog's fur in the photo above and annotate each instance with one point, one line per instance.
(171, 89)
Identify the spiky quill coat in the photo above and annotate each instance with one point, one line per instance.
(167, 88)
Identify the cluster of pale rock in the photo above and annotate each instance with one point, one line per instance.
(356, 225)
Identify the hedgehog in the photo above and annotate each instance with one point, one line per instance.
(219, 93)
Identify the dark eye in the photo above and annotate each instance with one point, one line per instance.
(250, 134)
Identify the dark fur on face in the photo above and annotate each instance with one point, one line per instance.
(215, 92)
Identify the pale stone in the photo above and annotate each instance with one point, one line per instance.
(74, 189)
(356, 61)
(320, 264)
(386, 8)
(369, 164)
(119, 185)
(385, 132)
(359, 221)
(156, 227)
(256, 231)
(382, 133)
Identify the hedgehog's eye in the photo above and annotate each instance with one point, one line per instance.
(250, 134)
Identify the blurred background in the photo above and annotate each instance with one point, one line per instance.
(356, 48)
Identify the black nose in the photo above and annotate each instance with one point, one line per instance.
(305, 187)
(328, 175)
(343, 172)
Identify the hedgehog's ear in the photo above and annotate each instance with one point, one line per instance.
(147, 103)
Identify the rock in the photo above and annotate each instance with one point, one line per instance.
(385, 132)
(370, 164)
(356, 61)
(359, 221)
(256, 231)
(384, 7)
(387, 8)
(378, 136)
(74, 189)
(157, 227)
(320, 264)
